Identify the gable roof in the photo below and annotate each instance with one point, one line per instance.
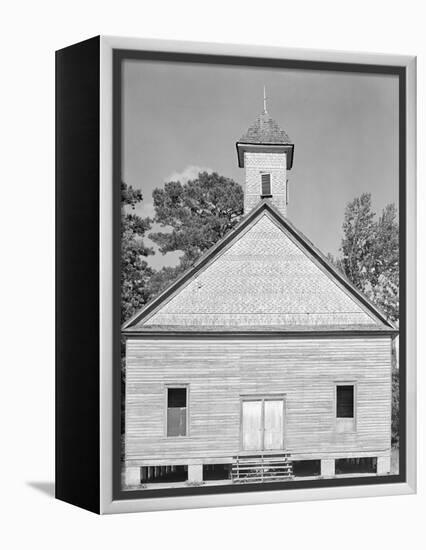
(265, 130)
(266, 276)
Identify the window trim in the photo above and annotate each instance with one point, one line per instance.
(270, 184)
(344, 420)
(166, 403)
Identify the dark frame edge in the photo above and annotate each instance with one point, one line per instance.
(77, 413)
(398, 70)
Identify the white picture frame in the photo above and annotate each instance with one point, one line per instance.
(108, 504)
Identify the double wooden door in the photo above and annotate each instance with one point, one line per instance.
(262, 424)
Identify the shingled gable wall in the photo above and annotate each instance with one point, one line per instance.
(272, 163)
(263, 278)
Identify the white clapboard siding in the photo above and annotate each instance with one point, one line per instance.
(219, 371)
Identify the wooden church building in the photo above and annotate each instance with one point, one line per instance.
(262, 362)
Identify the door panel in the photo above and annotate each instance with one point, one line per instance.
(252, 425)
(273, 419)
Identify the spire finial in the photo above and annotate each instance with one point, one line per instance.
(264, 100)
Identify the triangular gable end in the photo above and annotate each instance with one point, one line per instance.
(264, 274)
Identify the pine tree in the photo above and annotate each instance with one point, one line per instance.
(199, 212)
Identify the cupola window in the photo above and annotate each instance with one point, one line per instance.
(266, 185)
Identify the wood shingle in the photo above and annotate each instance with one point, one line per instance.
(263, 274)
(265, 130)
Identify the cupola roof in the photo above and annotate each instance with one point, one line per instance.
(265, 130)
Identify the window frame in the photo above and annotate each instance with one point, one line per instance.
(346, 424)
(266, 195)
(177, 386)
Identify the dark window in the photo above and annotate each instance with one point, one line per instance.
(345, 401)
(176, 411)
(266, 185)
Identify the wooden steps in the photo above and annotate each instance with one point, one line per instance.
(262, 468)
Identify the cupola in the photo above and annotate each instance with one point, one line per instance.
(266, 153)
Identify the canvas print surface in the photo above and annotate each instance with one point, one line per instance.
(259, 288)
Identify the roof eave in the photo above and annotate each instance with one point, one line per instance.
(243, 147)
(182, 331)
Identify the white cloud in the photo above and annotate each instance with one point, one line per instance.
(189, 173)
(144, 209)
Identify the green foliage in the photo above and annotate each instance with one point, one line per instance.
(370, 253)
(135, 272)
(358, 240)
(336, 262)
(199, 213)
(163, 278)
(384, 289)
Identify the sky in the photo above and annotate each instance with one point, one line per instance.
(180, 118)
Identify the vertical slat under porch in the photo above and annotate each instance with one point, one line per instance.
(261, 468)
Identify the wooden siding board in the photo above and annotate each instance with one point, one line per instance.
(219, 371)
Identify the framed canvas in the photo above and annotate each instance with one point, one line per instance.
(235, 275)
